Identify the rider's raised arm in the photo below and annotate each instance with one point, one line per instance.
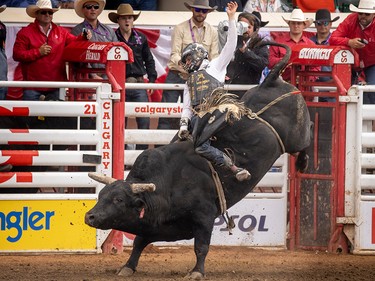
(218, 66)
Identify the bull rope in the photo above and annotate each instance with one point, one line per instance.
(223, 203)
(236, 109)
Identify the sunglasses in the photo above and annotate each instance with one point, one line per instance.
(364, 14)
(325, 23)
(89, 7)
(199, 10)
(46, 12)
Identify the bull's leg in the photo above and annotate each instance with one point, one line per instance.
(201, 246)
(138, 246)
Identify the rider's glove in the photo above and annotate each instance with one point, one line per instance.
(183, 133)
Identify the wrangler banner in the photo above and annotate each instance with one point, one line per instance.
(46, 225)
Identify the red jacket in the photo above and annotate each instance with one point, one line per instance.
(350, 29)
(36, 67)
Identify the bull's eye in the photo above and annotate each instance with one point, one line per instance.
(211, 120)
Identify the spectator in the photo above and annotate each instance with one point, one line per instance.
(249, 59)
(297, 23)
(143, 60)
(204, 77)
(323, 24)
(3, 57)
(222, 4)
(142, 5)
(193, 30)
(358, 32)
(39, 49)
(90, 10)
(269, 6)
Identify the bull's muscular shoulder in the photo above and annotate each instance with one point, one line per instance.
(162, 161)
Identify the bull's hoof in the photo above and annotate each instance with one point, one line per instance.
(195, 275)
(125, 271)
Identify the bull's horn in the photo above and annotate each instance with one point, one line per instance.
(141, 187)
(101, 178)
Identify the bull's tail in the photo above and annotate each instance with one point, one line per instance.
(278, 68)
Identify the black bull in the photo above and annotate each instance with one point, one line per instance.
(185, 203)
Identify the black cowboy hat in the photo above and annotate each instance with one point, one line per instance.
(324, 15)
(259, 16)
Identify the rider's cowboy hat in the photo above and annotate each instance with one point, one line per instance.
(298, 16)
(322, 15)
(2, 8)
(78, 6)
(123, 10)
(31, 10)
(364, 6)
(200, 4)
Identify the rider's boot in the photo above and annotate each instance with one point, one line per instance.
(241, 173)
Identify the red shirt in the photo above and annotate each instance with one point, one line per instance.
(350, 29)
(277, 53)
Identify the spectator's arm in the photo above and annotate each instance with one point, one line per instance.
(338, 37)
(21, 52)
(177, 38)
(256, 58)
(214, 48)
(148, 61)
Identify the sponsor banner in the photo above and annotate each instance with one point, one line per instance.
(259, 223)
(366, 226)
(46, 225)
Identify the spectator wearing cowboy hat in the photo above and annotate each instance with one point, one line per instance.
(194, 30)
(3, 57)
(297, 23)
(143, 60)
(323, 24)
(39, 49)
(249, 59)
(90, 11)
(358, 32)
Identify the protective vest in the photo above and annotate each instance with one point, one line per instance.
(201, 85)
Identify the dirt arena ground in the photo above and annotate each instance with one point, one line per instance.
(223, 263)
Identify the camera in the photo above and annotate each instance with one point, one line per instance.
(223, 28)
(364, 41)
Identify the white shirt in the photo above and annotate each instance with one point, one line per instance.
(217, 68)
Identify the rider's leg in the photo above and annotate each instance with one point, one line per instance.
(219, 158)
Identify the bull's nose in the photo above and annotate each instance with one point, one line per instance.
(89, 218)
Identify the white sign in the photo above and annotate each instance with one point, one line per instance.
(117, 53)
(366, 227)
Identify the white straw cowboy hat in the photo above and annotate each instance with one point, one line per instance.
(201, 4)
(298, 16)
(364, 6)
(78, 6)
(31, 10)
(2, 8)
(123, 10)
